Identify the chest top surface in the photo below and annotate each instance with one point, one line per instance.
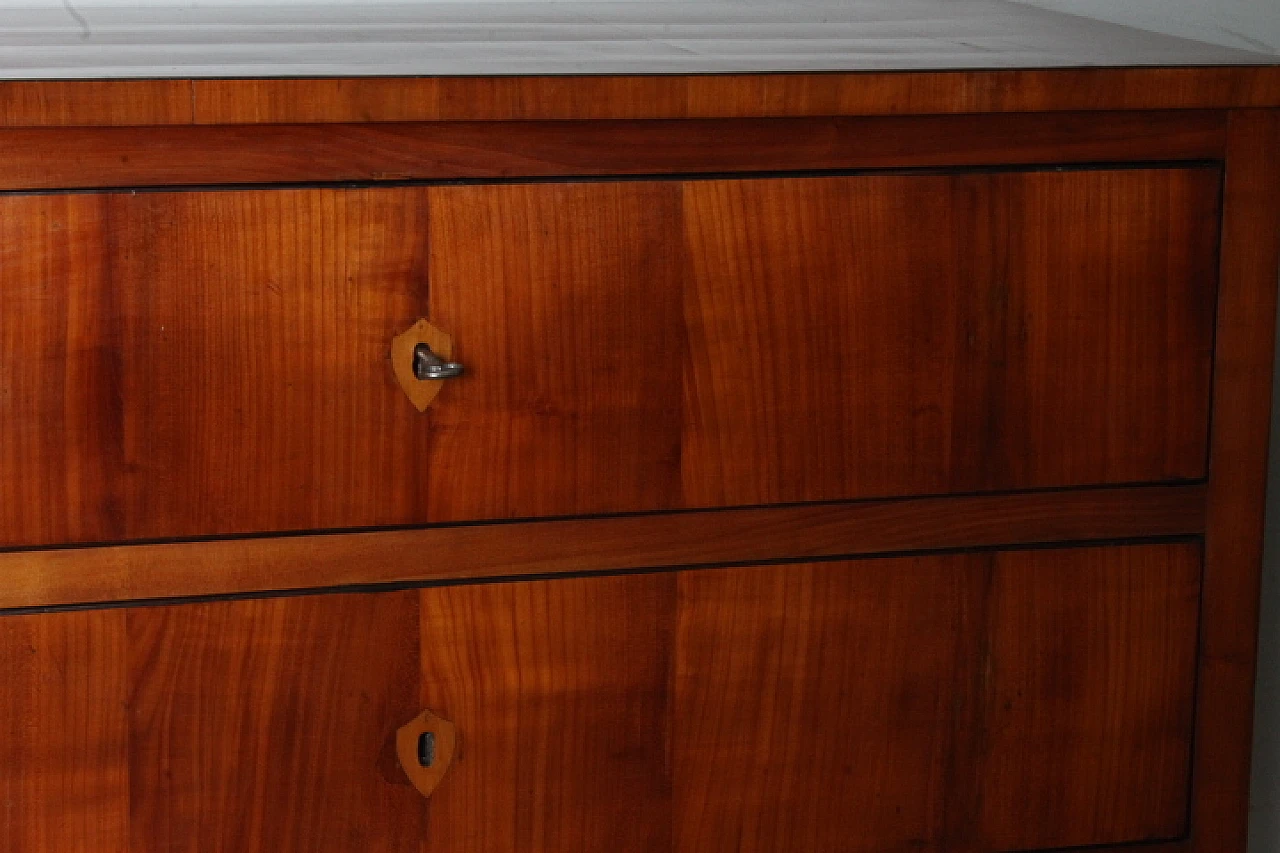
(97, 39)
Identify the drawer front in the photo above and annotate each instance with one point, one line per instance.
(719, 343)
(980, 701)
(190, 363)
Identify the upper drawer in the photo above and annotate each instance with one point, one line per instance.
(187, 363)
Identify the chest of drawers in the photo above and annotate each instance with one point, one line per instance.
(837, 462)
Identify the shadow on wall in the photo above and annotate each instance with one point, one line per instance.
(1243, 24)
(1264, 828)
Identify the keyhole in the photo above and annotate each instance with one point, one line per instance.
(427, 749)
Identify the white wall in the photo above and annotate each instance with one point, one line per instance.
(1264, 834)
(1247, 24)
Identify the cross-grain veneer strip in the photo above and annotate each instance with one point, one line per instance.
(50, 158)
(445, 554)
(122, 103)
(738, 95)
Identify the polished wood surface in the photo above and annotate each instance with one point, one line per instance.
(727, 323)
(64, 737)
(269, 725)
(48, 158)
(559, 692)
(918, 693)
(1237, 480)
(187, 364)
(64, 103)
(1092, 662)
(834, 354)
(252, 726)
(43, 578)
(799, 298)
(718, 709)
(564, 300)
(815, 707)
(95, 103)
(736, 95)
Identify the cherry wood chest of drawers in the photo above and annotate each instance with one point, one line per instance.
(838, 462)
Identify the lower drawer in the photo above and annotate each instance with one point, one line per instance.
(988, 701)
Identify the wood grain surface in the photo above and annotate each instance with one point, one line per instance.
(558, 690)
(91, 103)
(176, 366)
(564, 300)
(898, 335)
(270, 725)
(42, 578)
(35, 158)
(814, 706)
(1092, 664)
(736, 95)
(924, 699)
(720, 709)
(64, 733)
(1237, 480)
(63, 103)
(185, 364)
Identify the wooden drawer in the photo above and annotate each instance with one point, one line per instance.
(178, 364)
(990, 701)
